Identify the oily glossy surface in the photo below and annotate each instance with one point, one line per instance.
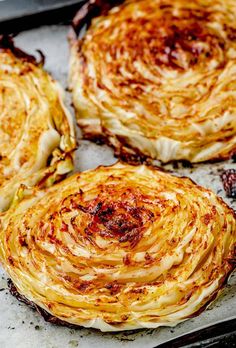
(36, 130)
(157, 77)
(119, 248)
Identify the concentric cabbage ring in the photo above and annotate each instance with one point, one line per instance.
(36, 131)
(119, 248)
(158, 78)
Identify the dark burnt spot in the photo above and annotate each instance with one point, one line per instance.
(119, 223)
(22, 241)
(64, 227)
(51, 217)
(125, 154)
(206, 219)
(113, 287)
(117, 220)
(55, 240)
(139, 291)
(231, 33)
(11, 260)
(148, 259)
(83, 286)
(164, 6)
(123, 219)
(187, 164)
(127, 260)
(180, 46)
(50, 305)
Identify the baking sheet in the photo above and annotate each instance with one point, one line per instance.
(23, 328)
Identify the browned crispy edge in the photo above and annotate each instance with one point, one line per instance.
(46, 316)
(132, 155)
(7, 43)
(56, 321)
(91, 9)
(124, 151)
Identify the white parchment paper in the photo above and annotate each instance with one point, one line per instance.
(23, 328)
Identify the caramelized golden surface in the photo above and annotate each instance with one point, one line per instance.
(119, 247)
(158, 77)
(36, 131)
